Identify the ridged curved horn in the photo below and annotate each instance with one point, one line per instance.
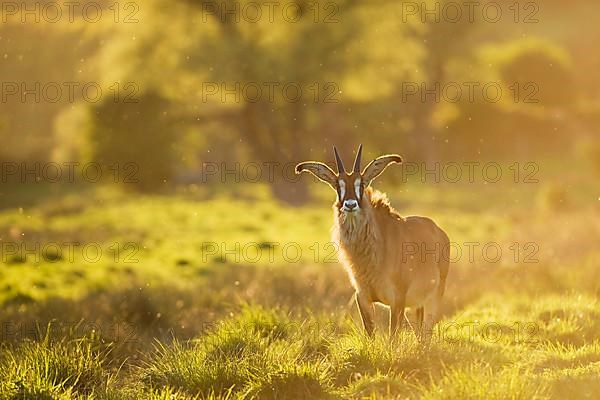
(338, 160)
(357, 159)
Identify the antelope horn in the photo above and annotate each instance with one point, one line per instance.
(338, 160)
(357, 160)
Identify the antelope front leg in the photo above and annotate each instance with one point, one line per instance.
(396, 316)
(365, 308)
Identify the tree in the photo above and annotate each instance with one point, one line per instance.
(135, 139)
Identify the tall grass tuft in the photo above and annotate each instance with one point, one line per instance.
(50, 369)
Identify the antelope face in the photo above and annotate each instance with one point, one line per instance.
(349, 186)
(350, 190)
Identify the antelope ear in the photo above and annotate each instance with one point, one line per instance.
(377, 166)
(320, 170)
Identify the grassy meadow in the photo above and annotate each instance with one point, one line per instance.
(172, 258)
(224, 294)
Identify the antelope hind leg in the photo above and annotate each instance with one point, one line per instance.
(397, 317)
(430, 314)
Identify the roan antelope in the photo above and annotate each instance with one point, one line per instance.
(394, 260)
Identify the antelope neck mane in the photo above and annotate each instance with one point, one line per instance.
(359, 235)
(363, 228)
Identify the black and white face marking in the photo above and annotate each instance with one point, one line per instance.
(358, 188)
(350, 191)
(342, 190)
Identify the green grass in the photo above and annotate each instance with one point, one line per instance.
(186, 322)
(50, 369)
(274, 353)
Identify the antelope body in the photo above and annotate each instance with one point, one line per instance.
(393, 260)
